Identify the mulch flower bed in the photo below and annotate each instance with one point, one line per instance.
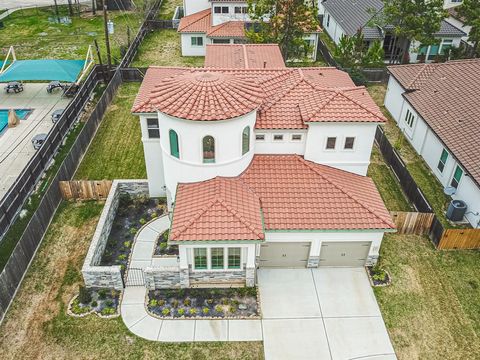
(132, 214)
(103, 302)
(378, 276)
(162, 247)
(204, 303)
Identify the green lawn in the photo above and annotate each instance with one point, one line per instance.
(168, 9)
(35, 37)
(37, 327)
(116, 152)
(431, 309)
(387, 183)
(162, 48)
(417, 167)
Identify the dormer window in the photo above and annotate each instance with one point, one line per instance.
(241, 9)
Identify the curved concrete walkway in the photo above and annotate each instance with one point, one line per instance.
(143, 324)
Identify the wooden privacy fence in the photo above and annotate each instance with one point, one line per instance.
(459, 239)
(85, 189)
(412, 222)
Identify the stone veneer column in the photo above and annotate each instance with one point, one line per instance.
(371, 260)
(313, 261)
(184, 278)
(250, 277)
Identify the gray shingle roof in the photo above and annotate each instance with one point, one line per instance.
(352, 15)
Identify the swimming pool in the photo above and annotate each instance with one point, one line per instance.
(22, 114)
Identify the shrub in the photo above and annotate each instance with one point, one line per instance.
(122, 257)
(205, 310)
(109, 303)
(84, 295)
(142, 221)
(187, 302)
(166, 312)
(193, 311)
(153, 215)
(125, 200)
(108, 311)
(165, 235)
(181, 311)
(225, 301)
(219, 309)
(209, 301)
(153, 302)
(378, 274)
(161, 302)
(93, 304)
(175, 303)
(133, 230)
(102, 294)
(232, 309)
(163, 246)
(78, 310)
(127, 244)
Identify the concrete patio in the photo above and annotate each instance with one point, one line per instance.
(15, 143)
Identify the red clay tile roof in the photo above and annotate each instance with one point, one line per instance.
(446, 96)
(294, 194)
(244, 56)
(288, 92)
(204, 95)
(201, 22)
(217, 209)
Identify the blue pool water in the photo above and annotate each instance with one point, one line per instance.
(22, 114)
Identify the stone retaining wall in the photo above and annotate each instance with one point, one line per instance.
(162, 278)
(216, 277)
(95, 275)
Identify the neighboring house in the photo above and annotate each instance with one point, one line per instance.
(456, 20)
(219, 22)
(262, 168)
(447, 4)
(244, 56)
(346, 17)
(437, 107)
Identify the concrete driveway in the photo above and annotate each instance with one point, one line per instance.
(327, 313)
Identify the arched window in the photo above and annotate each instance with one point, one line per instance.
(208, 149)
(174, 150)
(246, 140)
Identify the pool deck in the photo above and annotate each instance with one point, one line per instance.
(15, 143)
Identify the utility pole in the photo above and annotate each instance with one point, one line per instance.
(105, 77)
(107, 40)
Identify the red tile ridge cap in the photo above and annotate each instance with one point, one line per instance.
(281, 95)
(388, 222)
(342, 92)
(244, 221)
(245, 55)
(214, 29)
(193, 219)
(424, 67)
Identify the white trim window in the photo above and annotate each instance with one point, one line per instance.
(234, 258)
(296, 137)
(197, 41)
(200, 259)
(409, 119)
(331, 143)
(220, 10)
(260, 137)
(278, 137)
(349, 143)
(457, 176)
(442, 161)
(153, 129)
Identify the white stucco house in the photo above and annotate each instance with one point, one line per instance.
(437, 108)
(219, 22)
(456, 20)
(262, 168)
(346, 17)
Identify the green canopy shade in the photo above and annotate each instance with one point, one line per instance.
(43, 70)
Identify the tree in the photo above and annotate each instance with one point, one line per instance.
(470, 12)
(353, 52)
(412, 20)
(284, 22)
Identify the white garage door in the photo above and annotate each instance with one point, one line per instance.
(344, 253)
(283, 254)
